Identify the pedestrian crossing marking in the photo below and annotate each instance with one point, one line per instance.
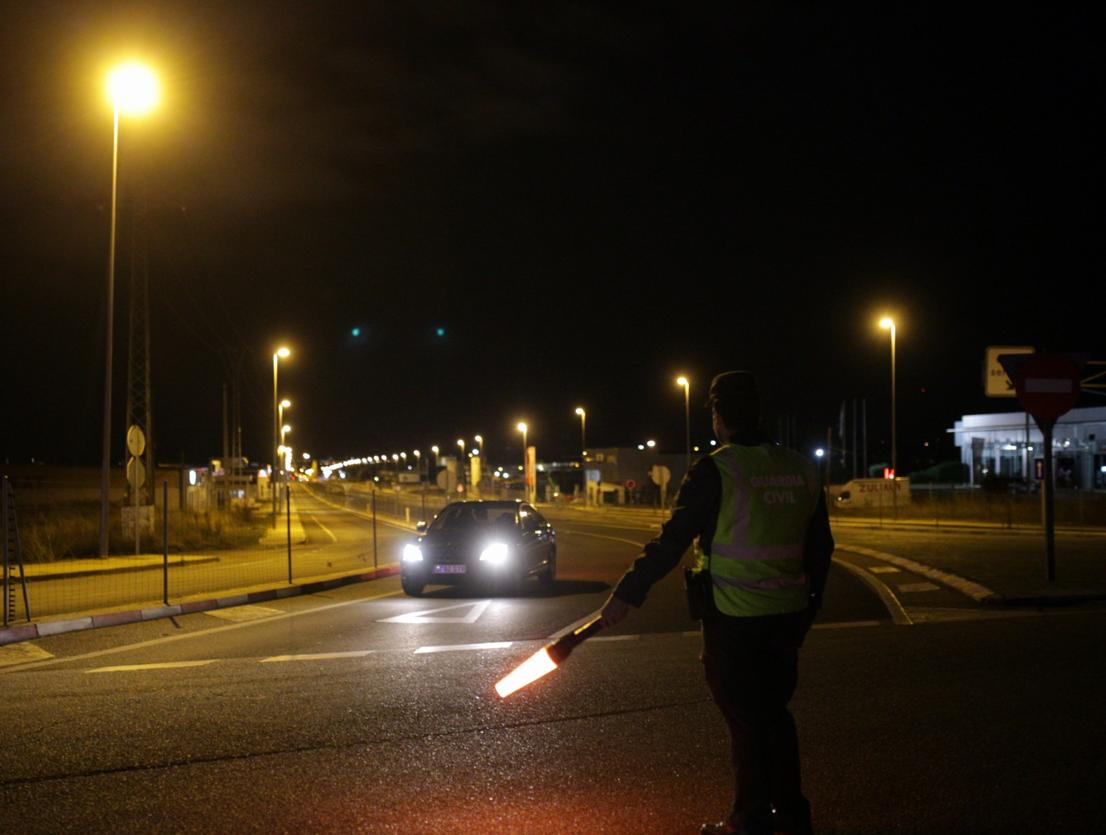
(22, 653)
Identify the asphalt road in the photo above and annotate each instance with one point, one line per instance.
(361, 710)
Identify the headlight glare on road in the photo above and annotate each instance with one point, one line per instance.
(496, 553)
(412, 553)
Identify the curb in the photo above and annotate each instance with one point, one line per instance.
(30, 631)
(977, 591)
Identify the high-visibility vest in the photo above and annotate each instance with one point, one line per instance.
(756, 557)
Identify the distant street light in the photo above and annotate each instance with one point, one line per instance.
(887, 323)
(583, 435)
(133, 91)
(683, 381)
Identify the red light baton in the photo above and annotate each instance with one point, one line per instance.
(546, 659)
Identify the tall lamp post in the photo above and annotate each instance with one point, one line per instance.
(583, 435)
(480, 446)
(521, 427)
(887, 323)
(133, 91)
(461, 461)
(280, 353)
(683, 381)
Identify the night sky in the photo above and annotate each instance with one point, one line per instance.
(588, 198)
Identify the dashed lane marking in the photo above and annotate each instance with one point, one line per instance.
(318, 656)
(464, 647)
(427, 650)
(165, 665)
(913, 587)
(21, 653)
(240, 614)
(883, 569)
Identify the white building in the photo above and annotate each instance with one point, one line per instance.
(1009, 444)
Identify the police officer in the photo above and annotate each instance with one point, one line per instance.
(759, 514)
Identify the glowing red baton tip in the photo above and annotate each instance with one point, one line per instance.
(533, 668)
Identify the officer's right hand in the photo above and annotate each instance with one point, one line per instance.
(613, 611)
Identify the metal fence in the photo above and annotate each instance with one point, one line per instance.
(937, 505)
(184, 555)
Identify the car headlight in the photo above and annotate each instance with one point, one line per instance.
(495, 553)
(412, 553)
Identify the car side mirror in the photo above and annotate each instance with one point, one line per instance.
(420, 527)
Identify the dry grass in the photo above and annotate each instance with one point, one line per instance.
(74, 531)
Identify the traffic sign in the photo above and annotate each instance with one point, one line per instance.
(999, 383)
(630, 484)
(1048, 385)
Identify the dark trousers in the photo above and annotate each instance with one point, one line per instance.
(752, 669)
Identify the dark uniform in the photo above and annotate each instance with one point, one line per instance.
(751, 663)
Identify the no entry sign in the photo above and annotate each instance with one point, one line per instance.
(1048, 385)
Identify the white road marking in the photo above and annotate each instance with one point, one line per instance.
(909, 587)
(883, 569)
(430, 616)
(199, 634)
(463, 647)
(617, 638)
(326, 530)
(166, 665)
(238, 614)
(21, 653)
(318, 656)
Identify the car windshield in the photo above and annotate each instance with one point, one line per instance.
(464, 517)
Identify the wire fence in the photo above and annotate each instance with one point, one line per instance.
(183, 550)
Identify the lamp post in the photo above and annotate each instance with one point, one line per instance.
(461, 461)
(280, 353)
(683, 381)
(887, 323)
(133, 91)
(521, 427)
(480, 446)
(583, 436)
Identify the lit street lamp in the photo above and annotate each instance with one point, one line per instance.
(683, 381)
(133, 91)
(280, 353)
(887, 323)
(583, 436)
(521, 427)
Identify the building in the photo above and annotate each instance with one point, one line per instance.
(1009, 445)
(624, 474)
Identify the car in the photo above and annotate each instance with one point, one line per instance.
(491, 543)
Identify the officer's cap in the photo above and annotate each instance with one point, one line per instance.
(732, 389)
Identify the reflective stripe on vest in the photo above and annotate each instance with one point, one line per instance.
(768, 496)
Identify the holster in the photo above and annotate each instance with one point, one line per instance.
(700, 593)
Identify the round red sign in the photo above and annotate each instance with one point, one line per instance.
(1048, 385)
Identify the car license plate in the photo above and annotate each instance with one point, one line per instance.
(449, 569)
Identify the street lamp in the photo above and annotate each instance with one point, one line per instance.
(583, 436)
(133, 91)
(461, 461)
(683, 381)
(887, 323)
(521, 427)
(279, 354)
